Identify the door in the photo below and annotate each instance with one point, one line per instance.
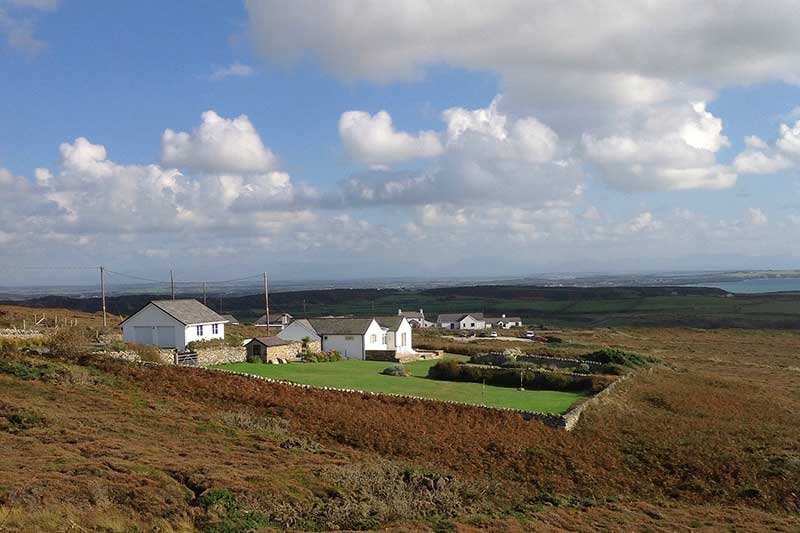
(143, 335)
(166, 336)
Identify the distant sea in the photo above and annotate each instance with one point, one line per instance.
(752, 286)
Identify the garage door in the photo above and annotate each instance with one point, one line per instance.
(143, 335)
(166, 336)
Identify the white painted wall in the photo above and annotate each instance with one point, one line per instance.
(402, 338)
(350, 346)
(152, 318)
(297, 331)
(208, 332)
(470, 322)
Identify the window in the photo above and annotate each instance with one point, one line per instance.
(199, 330)
(214, 328)
(256, 349)
(403, 339)
(373, 338)
(383, 339)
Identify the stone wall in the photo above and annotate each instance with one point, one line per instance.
(558, 362)
(290, 351)
(220, 355)
(380, 355)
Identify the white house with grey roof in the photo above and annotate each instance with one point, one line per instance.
(173, 324)
(354, 338)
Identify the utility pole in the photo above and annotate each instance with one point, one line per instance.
(305, 314)
(266, 302)
(103, 293)
(172, 283)
(204, 294)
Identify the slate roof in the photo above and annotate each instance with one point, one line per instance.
(412, 314)
(230, 318)
(455, 317)
(270, 341)
(187, 312)
(390, 322)
(272, 317)
(340, 326)
(496, 319)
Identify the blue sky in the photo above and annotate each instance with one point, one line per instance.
(514, 140)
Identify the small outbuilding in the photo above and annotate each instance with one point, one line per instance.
(269, 348)
(173, 324)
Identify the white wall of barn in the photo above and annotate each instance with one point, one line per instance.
(150, 326)
(350, 346)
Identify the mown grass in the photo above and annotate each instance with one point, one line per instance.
(367, 376)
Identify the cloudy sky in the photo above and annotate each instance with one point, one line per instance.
(413, 138)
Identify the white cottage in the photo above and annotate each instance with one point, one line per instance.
(354, 338)
(173, 324)
(461, 321)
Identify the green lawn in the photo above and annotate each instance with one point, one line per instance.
(366, 375)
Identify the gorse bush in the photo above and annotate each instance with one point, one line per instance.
(146, 352)
(396, 370)
(452, 370)
(322, 357)
(69, 343)
(614, 357)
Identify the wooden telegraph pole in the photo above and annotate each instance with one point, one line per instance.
(204, 294)
(103, 293)
(172, 283)
(266, 302)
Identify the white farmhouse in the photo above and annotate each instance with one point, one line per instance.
(173, 324)
(354, 338)
(461, 321)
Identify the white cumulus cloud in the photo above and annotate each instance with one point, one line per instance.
(218, 145)
(373, 139)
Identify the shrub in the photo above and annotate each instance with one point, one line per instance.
(553, 339)
(15, 420)
(254, 358)
(615, 356)
(322, 357)
(68, 343)
(29, 370)
(117, 345)
(396, 370)
(146, 352)
(452, 370)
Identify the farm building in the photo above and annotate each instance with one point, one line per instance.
(232, 320)
(271, 348)
(416, 318)
(461, 321)
(278, 320)
(504, 322)
(355, 338)
(173, 324)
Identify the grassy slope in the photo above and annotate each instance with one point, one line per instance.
(709, 443)
(366, 375)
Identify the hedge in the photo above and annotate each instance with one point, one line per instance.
(452, 370)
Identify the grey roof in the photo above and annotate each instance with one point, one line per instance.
(390, 322)
(340, 326)
(412, 314)
(270, 341)
(455, 317)
(496, 319)
(188, 311)
(272, 317)
(230, 318)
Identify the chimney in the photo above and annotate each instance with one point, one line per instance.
(504, 315)
(399, 312)
(420, 311)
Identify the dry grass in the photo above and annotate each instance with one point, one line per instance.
(708, 441)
